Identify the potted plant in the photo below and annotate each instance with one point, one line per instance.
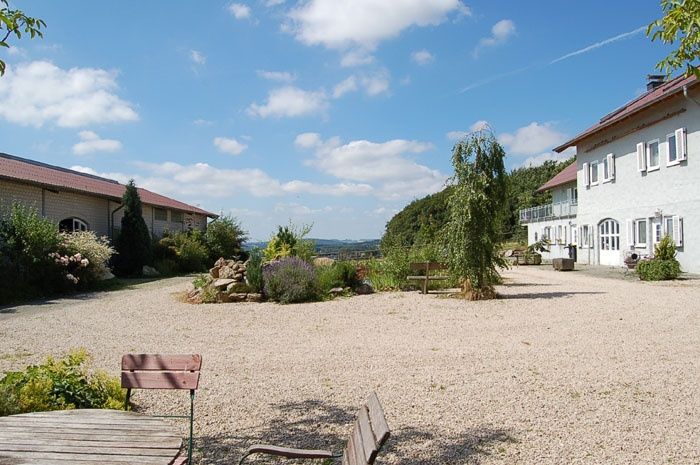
(532, 255)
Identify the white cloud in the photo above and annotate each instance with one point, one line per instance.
(16, 51)
(271, 3)
(239, 10)
(345, 86)
(121, 177)
(202, 122)
(422, 57)
(230, 146)
(602, 43)
(279, 76)
(538, 160)
(39, 92)
(197, 57)
(356, 57)
(90, 142)
(459, 135)
(532, 139)
(500, 33)
(290, 101)
(387, 166)
(358, 27)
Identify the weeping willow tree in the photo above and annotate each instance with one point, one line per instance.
(476, 213)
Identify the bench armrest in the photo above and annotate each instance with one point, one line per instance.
(288, 452)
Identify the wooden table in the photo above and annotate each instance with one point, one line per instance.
(87, 437)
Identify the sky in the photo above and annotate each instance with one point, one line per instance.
(325, 112)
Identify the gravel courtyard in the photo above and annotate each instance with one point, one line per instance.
(566, 368)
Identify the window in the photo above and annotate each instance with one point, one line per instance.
(547, 233)
(673, 226)
(606, 170)
(72, 225)
(175, 217)
(640, 233)
(573, 195)
(594, 173)
(653, 155)
(574, 235)
(609, 232)
(160, 214)
(657, 230)
(672, 158)
(584, 235)
(560, 238)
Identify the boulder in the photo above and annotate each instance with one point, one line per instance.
(238, 277)
(222, 283)
(363, 289)
(220, 262)
(214, 272)
(149, 271)
(226, 272)
(237, 297)
(336, 291)
(254, 297)
(235, 287)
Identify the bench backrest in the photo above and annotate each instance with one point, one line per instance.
(369, 434)
(428, 266)
(161, 371)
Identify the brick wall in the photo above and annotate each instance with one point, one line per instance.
(92, 210)
(15, 192)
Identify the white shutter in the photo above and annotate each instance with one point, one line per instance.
(630, 233)
(641, 157)
(586, 175)
(591, 233)
(678, 230)
(579, 236)
(681, 144)
(611, 166)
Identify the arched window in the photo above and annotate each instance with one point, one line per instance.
(72, 225)
(609, 234)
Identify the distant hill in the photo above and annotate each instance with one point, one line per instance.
(330, 246)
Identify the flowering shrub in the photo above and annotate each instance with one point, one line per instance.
(92, 252)
(290, 280)
(70, 266)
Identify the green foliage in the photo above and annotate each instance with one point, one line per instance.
(15, 22)
(166, 266)
(419, 222)
(96, 250)
(59, 384)
(26, 269)
(192, 253)
(680, 23)
(290, 280)
(254, 273)
(201, 280)
(290, 242)
(224, 238)
(339, 274)
(663, 266)
(423, 221)
(390, 272)
(133, 243)
(476, 209)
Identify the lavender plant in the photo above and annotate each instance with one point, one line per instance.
(290, 280)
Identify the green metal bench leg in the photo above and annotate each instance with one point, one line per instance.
(189, 448)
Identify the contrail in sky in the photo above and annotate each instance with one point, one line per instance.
(602, 43)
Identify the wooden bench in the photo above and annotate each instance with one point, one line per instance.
(368, 435)
(427, 267)
(163, 371)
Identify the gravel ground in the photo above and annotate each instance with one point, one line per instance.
(566, 368)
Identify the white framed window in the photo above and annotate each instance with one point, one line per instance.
(547, 233)
(72, 225)
(584, 235)
(657, 230)
(175, 216)
(609, 233)
(606, 170)
(160, 214)
(671, 150)
(559, 234)
(653, 157)
(640, 232)
(673, 226)
(594, 173)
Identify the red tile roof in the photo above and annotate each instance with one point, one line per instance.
(645, 100)
(21, 169)
(565, 176)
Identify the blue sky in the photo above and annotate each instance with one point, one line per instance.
(319, 111)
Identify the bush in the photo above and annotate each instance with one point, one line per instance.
(26, 240)
(663, 266)
(166, 266)
(58, 385)
(339, 274)
(290, 280)
(254, 273)
(86, 245)
(224, 238)
(390, 272)
(133, 243)
(290, 242)
(192, 254)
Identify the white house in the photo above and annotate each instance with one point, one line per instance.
(555, 221)
(638, 177)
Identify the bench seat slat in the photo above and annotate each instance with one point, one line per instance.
(162, 362)
(160, 380)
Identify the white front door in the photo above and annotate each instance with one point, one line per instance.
(609, 242)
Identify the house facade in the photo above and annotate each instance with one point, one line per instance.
(78, 201)
(638, 177)
(555, 221)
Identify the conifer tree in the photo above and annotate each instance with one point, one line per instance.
(133, 244)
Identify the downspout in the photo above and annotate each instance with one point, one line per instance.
(111, 232)
(685, 94)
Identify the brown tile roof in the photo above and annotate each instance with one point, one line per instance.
(565, 176)
(645, 100)
(21, 169)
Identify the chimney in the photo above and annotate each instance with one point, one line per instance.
(654, 81)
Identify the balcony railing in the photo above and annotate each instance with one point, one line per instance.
(550, 211)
